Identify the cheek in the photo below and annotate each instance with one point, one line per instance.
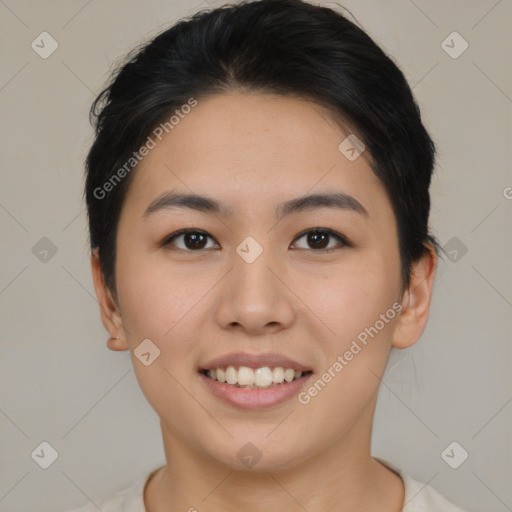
(155, 296)
(351, 296)
(159, 306)
(358, 308)
(357, 305)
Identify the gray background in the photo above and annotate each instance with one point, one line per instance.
(58, 381)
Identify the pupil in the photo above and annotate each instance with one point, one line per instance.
(314, 239)
(196, 240)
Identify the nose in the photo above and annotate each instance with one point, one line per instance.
(254, 296)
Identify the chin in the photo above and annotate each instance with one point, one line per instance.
(258, 455)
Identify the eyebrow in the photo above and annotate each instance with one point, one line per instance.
(339, 200)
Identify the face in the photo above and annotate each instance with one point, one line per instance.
(257, 284)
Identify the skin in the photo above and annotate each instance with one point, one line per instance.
(251, 151)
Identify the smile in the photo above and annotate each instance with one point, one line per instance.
(254, 378)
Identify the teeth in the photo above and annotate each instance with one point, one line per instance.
(246, 377)
(263, 377)
(278, 375)
(289, 374)
(231, 375)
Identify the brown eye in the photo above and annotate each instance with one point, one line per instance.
(192, 240)
(196, 240)
(319, 239)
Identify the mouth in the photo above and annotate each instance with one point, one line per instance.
(254, 381)
(245, 377)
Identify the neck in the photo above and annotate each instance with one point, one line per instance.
(342, 477)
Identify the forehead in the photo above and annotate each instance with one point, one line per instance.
(263, 145)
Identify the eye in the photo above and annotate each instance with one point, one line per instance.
(318, 239)
(193, 239)
(196, 240)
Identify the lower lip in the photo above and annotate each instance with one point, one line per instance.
(254, 398)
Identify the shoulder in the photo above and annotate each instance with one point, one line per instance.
(420, 497)
(112, 503)
(130, 499)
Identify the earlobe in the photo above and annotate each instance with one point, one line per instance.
(117, 343)
(416, 301)
(110, 315)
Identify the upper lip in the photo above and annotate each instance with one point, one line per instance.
(254, 361)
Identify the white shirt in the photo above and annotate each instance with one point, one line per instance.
(418, 497)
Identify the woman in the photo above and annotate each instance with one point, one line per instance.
(258, 206)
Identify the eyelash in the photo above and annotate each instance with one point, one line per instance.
(341, 239)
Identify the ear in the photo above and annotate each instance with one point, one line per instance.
(416, 301)
(110, 313)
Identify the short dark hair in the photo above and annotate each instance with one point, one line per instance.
(287, 47)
